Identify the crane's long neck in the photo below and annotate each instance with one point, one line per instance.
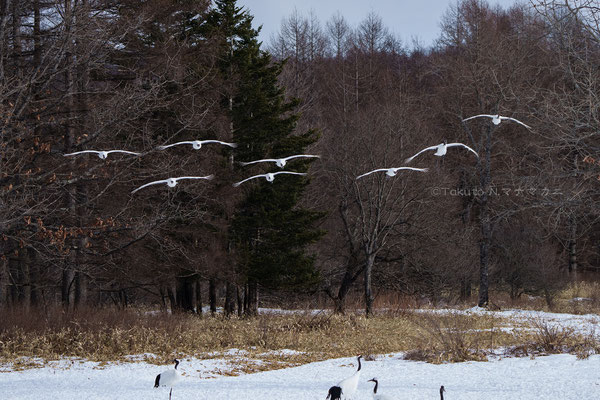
(358, 365)
(375, 388)
(176, 363)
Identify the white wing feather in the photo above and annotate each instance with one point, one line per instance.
(478, 116)
(517, 121)
(234, 145)
(301, 156)
(124, 151)
(426, 149)
(82, 152)
(371, 172)
(289, 172)
(462, 145)
(151, 183)
(258, 161)
(174, 144)
(247, 179)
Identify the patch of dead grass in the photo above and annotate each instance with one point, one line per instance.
(113, 335)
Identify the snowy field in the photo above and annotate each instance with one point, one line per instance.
(548, 377)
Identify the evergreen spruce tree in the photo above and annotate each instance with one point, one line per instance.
(269, 231)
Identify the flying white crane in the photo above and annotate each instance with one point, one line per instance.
(270, 177)
(172, 182)
(345, 388)
(168, 378)
(197, 144)
(441, 149)
(496, 119)
(280, 162)
(378, 396)
(103, 153)
(393, 171)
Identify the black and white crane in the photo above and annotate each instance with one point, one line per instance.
(347, 387)
(168, 378)
(378, 396)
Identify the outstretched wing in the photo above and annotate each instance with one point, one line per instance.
(462, 145)
(208, 177)
(517, 121)
(247, 179)
(258, 161)
(478, 116)
(371, 172)
(427, 149)
(174, 144)
(289, 173)
(148, 184)
(301, 156)
(413, 169)
(124, 151)
(82, 152)
(234, 145)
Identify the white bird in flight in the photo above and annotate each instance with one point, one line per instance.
(172, 182)
(496, 119)
(441, 149)
(393, 171)
(270, 177)
(197, 144)
(102, 153)
(280, 162)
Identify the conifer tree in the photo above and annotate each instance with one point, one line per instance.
(269, 231)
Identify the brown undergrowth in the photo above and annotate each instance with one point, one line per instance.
(112, 335)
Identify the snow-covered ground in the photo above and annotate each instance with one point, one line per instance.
(556, 376)
(550, 377)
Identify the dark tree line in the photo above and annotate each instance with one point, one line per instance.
(135, 75)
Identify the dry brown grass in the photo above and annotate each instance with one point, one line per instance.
(112, 335)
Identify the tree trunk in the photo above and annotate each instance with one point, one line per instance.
(212, 295)
(3, 281)
(71, 191)
(185, 297)
(252, 293)
(465, 289)
(572, 244)
(484, 259)
(348, 280)
(80, 292)
(80, 282)
(172, 299)
(24, 266)
(368, 289)
(198, 297)
(485, 221)
(66, 284)
(230, 299)
(240, 301)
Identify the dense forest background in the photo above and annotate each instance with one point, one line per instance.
(134, 75)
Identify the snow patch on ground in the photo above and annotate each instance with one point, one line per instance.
(557, 376)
